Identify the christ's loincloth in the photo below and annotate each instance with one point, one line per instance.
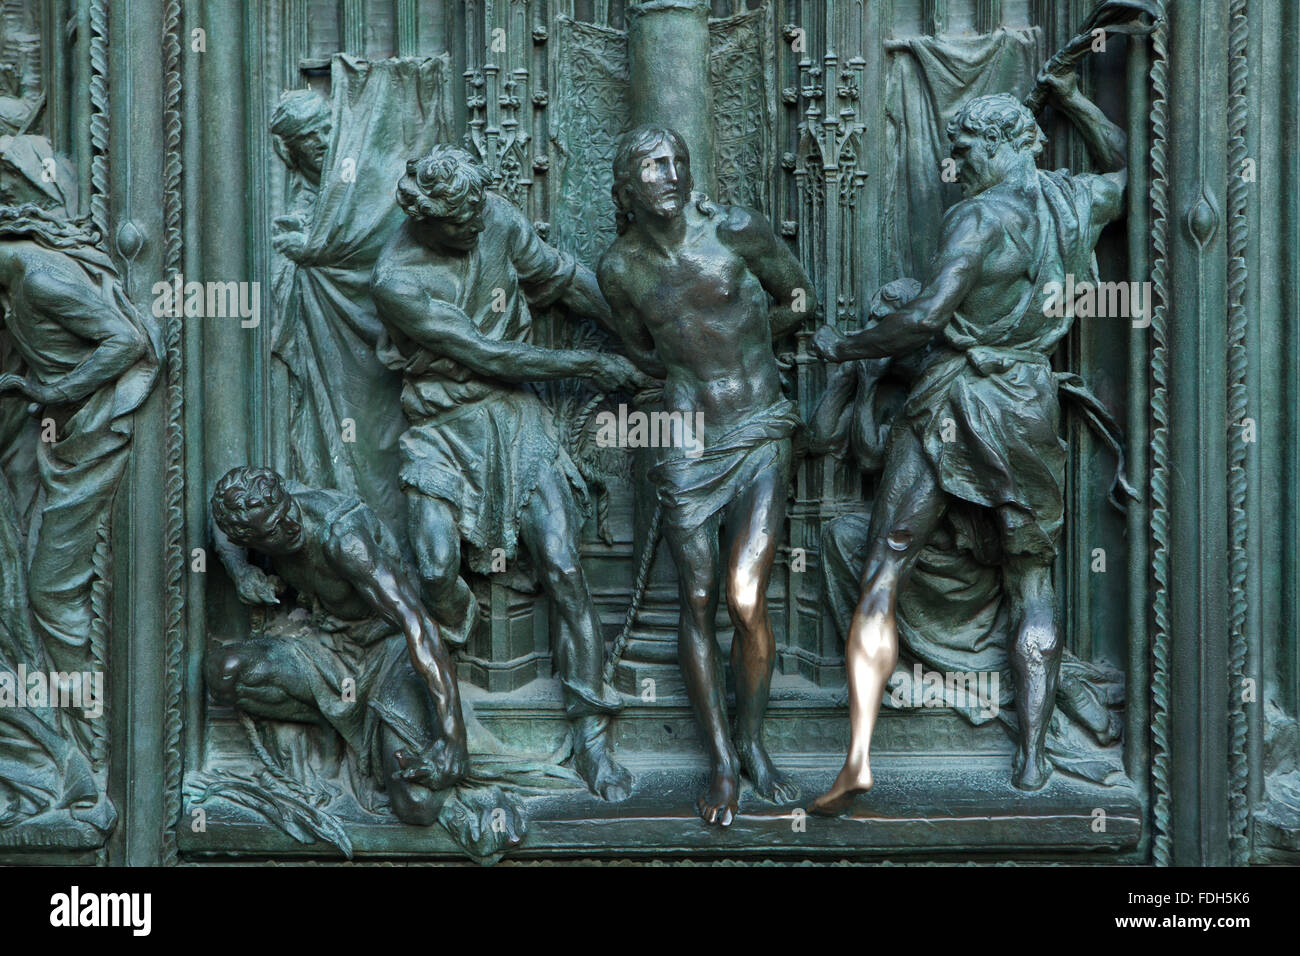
(693, 490)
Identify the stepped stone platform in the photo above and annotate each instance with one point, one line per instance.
(941, 785)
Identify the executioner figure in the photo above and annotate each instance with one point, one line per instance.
(981, 423)
(368, 624)
(690, 281)
(481, 463)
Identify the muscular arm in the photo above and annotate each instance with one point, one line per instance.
(624, 322)
(356, 556)
(967, 239)
(1107, 145)
(445, 330)
(775, 267)
(81, 310)
(584, 297)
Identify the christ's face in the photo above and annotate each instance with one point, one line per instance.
(659, 182)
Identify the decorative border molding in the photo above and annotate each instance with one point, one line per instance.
(1238, 363)
(99, 186)
(175, 597)
(1160, 474)
(101, 588)
(174, 490)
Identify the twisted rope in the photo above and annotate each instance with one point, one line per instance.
(646, 563)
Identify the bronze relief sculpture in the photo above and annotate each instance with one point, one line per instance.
(652, 396)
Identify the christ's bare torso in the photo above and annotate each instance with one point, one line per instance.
(708, 315)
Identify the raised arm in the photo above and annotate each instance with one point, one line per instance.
(1106, 142)
(775, 266)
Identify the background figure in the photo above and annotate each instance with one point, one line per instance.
(86, 359)
(343, 155)
(40, 766)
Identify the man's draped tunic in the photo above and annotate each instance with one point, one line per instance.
(992, 392)
(478, 443)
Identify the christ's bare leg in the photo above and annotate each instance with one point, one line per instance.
(754, 522)
(698, 656)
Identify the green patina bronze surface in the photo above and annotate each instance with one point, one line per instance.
(438, 430)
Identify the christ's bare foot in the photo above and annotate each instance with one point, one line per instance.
(719, 804)
(757, 765)
(850, 782)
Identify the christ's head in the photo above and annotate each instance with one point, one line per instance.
(652, 174)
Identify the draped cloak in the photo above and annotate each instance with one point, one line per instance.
(80, 470)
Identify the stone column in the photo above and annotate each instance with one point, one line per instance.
(668, 63)
(668, 57)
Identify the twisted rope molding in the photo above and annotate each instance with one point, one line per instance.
(1238, 566)
(174, 520)
(1160, 477)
